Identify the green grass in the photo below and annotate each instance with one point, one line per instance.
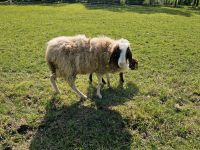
(158, 108)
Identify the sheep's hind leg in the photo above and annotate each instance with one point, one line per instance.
(108, 79)
(90, 77)
(53, 83)
(71, 83)
(99, 76)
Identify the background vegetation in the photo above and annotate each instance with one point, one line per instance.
(174, 3)
(158, 108)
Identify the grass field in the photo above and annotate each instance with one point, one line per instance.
(158, 108)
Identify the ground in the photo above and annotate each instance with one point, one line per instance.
(157, 108)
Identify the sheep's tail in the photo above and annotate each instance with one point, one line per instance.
(52, 67)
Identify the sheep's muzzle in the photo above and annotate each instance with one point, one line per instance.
(133, 64)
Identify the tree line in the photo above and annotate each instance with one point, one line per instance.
(175, 3)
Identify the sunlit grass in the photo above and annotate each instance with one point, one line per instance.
(159, 107)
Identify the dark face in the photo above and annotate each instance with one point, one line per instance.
(133, 63)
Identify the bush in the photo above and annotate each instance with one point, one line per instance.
(104, 1)
(134, 2)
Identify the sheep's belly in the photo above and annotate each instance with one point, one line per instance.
(85, 63)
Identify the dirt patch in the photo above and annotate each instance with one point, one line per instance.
(23, 129)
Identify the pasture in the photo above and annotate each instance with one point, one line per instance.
(158, 107)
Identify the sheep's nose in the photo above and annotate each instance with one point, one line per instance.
(121, 64)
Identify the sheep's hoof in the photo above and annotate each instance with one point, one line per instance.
(121, 84)
(99, 96)
(110, 88)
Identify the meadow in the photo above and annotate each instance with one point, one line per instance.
(157, 108)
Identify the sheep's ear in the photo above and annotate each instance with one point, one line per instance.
(132, 62)
(128, 54)
(115, 55)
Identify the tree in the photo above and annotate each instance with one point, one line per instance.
(195, 3)
(175, 3)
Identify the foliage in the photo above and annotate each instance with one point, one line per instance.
(175, 3)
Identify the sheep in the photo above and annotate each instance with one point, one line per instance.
(68, 56)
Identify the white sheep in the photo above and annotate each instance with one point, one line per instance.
(72, 55)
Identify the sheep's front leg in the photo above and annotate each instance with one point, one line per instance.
(99, 76)
(71, 83)
(121, 78)
(53, 83)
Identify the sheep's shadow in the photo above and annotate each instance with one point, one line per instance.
(82, 126)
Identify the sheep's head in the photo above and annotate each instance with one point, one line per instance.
(122, 57)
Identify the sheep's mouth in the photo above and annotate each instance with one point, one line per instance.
(123, 66)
